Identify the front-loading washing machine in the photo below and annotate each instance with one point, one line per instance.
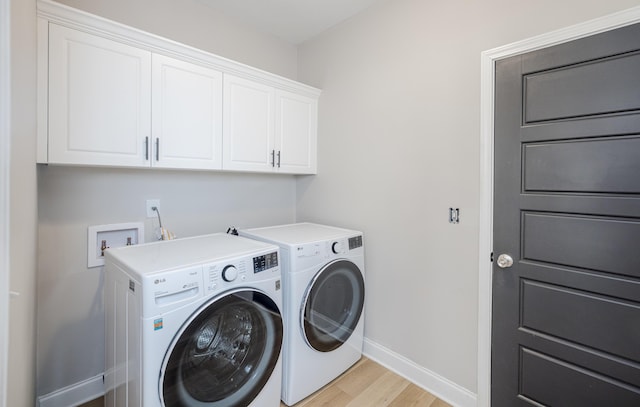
(323, 293)
(194, 322)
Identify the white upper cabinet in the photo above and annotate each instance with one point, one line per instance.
(267, 129)
(111, 95)
(248, 126)
(114, 104)
(296, 133)
(99, 100)
(187, 115)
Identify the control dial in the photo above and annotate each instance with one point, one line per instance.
(336, 247)
(229, 273)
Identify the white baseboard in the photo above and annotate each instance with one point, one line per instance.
(435, 384)
(75, 394)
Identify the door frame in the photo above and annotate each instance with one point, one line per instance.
(5, 137)
(487, 73)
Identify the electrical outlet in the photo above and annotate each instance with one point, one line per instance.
(454, 215)
(150, 204)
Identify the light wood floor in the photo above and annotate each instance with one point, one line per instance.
(366, 384)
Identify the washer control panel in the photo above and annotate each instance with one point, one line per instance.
(217, 275)
(220, 276)
(265, 262)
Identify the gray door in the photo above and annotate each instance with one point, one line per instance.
(566, 314)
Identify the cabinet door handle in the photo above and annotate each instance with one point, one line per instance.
(279, 158)
(273, 158)
(157, 149)
(146, 148)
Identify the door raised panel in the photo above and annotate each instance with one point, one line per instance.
(579, 387)
(99, 104)
(591, 88)
(187, 115)
(599, 243)
(585, 164)
(558, 311)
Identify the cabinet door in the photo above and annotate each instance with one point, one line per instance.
(296, 133)
(99, 100)
(186, 115)
(248, 127)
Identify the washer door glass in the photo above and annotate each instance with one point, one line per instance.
(225, 354)
(333, 305)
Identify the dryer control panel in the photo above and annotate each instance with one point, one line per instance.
(308, 250)
(343, 246)
(327, 249)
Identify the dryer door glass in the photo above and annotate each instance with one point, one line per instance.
(333, 305)
(225, 354)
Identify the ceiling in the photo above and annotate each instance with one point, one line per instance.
(294, 21)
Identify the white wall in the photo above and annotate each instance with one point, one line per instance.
(70, 314)
(192, 23)
(5, 154)
(22, 234)
(399, 130)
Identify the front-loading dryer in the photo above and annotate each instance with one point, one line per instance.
(323, 292)
(194, 322)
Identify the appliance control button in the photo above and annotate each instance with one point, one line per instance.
(229, 273)
(336, 247)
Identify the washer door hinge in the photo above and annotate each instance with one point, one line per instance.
(491, 257)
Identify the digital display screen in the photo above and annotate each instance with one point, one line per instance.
(265, 262)
(355, 242)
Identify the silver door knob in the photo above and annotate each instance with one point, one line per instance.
(505, 261)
